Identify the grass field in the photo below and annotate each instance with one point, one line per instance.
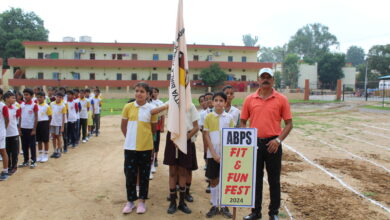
(377, 107)
(114, 106)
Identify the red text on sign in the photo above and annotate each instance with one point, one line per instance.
(238, 151)
(237, 177)
(237, 190)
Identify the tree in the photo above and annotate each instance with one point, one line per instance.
(379, 59)
(290, 71)
(312, 41)
(372, 77)
(272, 55)
(249, 41)
(17, 26)
(213, 76)
(278, 79)
(355, 55)
(330, 69)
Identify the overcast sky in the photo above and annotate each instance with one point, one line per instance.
(362, 23)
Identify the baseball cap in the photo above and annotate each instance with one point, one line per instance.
(266, 70)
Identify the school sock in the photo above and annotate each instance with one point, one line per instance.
(214, 196)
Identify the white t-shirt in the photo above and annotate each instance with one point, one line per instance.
(191, 116)
(28, 114)
(58, 112)
(3, 114)
(85, 104)
(14, 114)
(235, 113)
(44, 111)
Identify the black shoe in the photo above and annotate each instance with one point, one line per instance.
(57, 155)
(252, 216)
(188, 197)
(53, 155)
(225, 212)
(273, 217)
(184, 208)
(213, 211)
(172, 207)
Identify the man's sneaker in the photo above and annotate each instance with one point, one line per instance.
(213, 211)
(225, 212)
(128, 208)
(3, 176)
(84, 141)
(153, 169)
(45, 158)
(33, 165)
(151, 176)
(24, 164)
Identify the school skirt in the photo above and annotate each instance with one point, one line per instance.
(174, 157)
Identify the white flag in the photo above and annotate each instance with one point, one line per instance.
(179, 86)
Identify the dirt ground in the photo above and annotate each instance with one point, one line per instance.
(88, 182)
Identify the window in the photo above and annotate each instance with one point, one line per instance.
(40, 55)
(56, 75)
(75, 76)
(170, 57)
(119, 76)
(243, 77)
(134, 56)
(196, 77)
(168, 76)
(230, 58)
(155, 57)
(92, 56)
(113, 56)
(77, 55)
(54, 56)
(154, 76)
(92, 76)
(196, 57)
(243, 59)
(120, 56)
(40, 75)
(209, 58)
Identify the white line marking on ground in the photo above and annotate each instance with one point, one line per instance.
(284, 203)
(366, 142)
(370, 126)
(368, 132)
(344, 150)
(337, 178)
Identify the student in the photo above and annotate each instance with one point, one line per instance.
(51, 91)
(57, 123)
(160, 125)
(84, 109)
(28, 125)
(213, 124)
(137, 126)
(77, 100)
(90, 114)
(43, 127)
(72, 109)
(65, 138)
(149, 99)
(96, 105)
(12, 132)
(4, 121)
(233, 111)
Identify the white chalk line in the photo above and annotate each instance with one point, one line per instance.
(368, 132)
(344, 150)
(370, 126)
(337, 178)
(284, 203)
(366, 142)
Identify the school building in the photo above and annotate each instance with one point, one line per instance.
(118, 66)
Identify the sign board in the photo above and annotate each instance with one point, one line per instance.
(238, 167)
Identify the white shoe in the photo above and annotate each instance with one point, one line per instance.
(87, 139)
(153, 169)
(40, 157)
(45, 158)
(84, 141)
(151, 176)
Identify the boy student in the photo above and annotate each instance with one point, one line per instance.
(4, 121)
(90, 114)
(43, 127)
(57, 123)
(73, 108)
(213, 124)
(233, 111)
(28, 124)
(12, 132)
(51, 91)
(77, 99)
(84, 108)
(96, 105)
(160, 124)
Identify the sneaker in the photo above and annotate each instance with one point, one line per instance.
(24, 164)
(45, 158)
(33, 165)
(87, 138)
(65, 151)
(151, 176)
(84, 141)
(39, 159)
(225, 212)
(153, 169)
(141, 208)
(213, 211)
(57, 155)
(3, 176)
(53, 155)
(128, 208)
(12, 171)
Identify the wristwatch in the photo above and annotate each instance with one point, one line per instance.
(278, 140)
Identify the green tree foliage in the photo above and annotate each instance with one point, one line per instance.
(249, 41)
(290, 71)
(272, 55)
(372, 77)
(17, 26)
(355, 55)
(330, 69)
(379, 59)
(213, 76)
(311, 42)
(278, 79)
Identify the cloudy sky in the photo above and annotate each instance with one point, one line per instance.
(212, 21)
